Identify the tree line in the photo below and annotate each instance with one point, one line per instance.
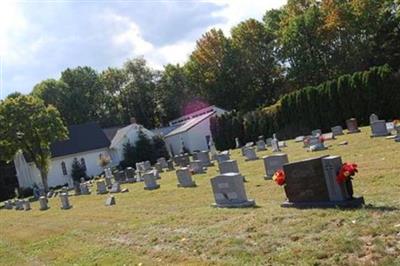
(315, 107)
(304, 43)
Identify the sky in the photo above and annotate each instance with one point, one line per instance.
(41, 38)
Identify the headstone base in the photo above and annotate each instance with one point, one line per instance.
(245, 204)
(352, 203)
(354, 131)
(191, 185)
(380, 135)
(131, 180)
(266, 177)
(317, 148)
(152, 188)
(252, 159)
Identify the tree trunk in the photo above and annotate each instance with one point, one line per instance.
(43, 174)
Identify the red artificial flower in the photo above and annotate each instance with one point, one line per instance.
(348, 170)
(321, 139)
(279, 177)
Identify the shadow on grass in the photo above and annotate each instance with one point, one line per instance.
(381, 208)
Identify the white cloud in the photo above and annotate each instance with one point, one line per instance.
(12, 25)
(127, 34)
(175, 53)
(235, 11)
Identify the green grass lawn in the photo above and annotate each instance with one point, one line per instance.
(177, 226)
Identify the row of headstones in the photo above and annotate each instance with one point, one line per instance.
(198, 165)
(315, 141)
(200, 160)
(43, 203)
(149, 177)
(309, 183)
(272, 163)
(379, 128)
(19, 205)
(249, 150)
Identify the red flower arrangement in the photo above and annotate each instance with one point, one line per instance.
(346, 172)
(279, 177)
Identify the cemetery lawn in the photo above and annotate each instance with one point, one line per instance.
(177, 226)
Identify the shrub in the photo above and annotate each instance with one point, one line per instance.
(328, 104)
(77, 170)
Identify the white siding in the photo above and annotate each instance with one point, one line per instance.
(55, 175)
(194, 138)
(131, 135)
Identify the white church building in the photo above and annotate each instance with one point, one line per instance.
(191, 131)
(124, 135)
(86, 142)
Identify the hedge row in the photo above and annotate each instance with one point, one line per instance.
(376, 90)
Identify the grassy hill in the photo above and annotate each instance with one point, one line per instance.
(177, 226)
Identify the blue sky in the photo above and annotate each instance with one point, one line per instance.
(39, 39)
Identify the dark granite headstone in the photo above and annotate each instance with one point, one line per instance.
(120, 177)
(170, 165)
(312, 183)
(305, 181)
(352, 126)
(182, 160)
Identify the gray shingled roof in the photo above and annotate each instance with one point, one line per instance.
(84, 137)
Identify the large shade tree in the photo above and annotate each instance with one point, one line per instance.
(257, 68)
(211, 70)
(28, 125)
(173, 91)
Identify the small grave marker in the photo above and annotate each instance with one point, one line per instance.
(110, 200)
(101, 187)
(229, 191)
(185, 178)
(274, 162)
(65, 201)
(150, 182)
(337, 131)
(43, 203)
(352, 126)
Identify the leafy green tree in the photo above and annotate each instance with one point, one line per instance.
(83, 97)
(14, 94)
(258, 68)
(27, 124)
(53, 92)
(130, 155)
(304, 49)
(172, 93)
(211, 70)
(144, 147)
(159, 148)
(113, 81)
(138, 94)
